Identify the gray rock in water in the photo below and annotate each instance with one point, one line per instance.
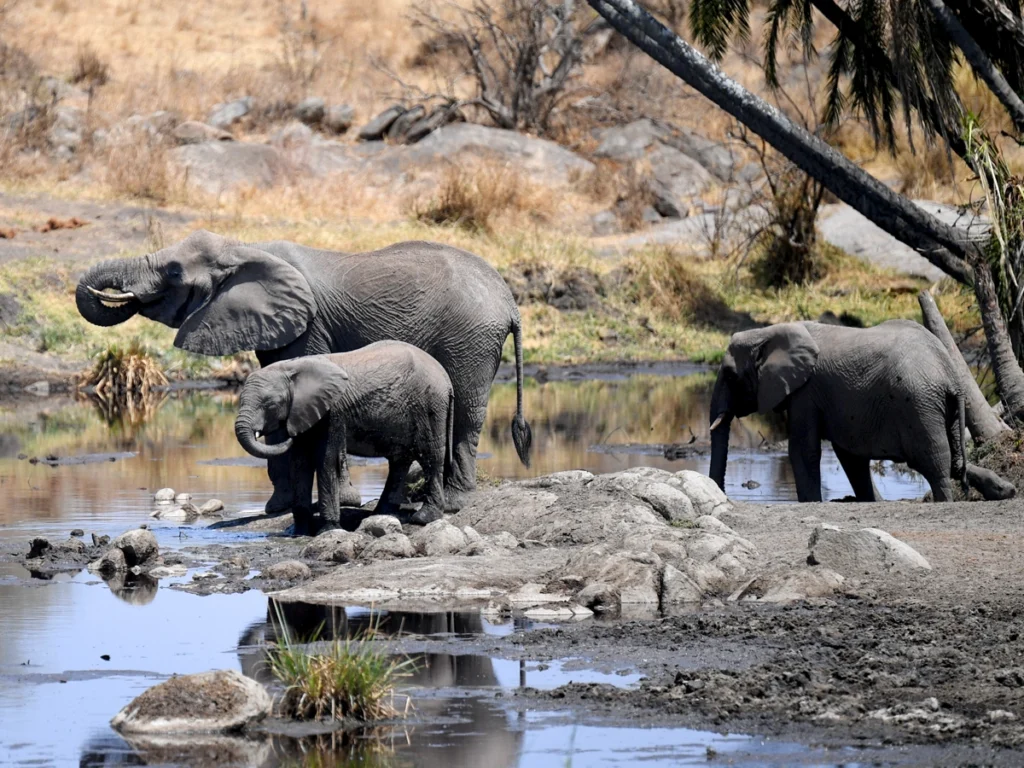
(376, 128)
(335, 547)
(339, 118)
(186, 512)
(393, 546)
(211, 507)
(439, 538)
(208, 702)
(868, 550)
(311, 111)
(181, 498)
(193, 132)
(139, 547)
(164, 494)
(288, 570)
(405, 121)
(112, 562)
(229, 113)
(380, 525)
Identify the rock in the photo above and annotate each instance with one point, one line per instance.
(801, 584)
(379, 525)
(868, 550)
(229, 113)
(112, 562)
(540, 160)
(39, 388)
(293, 135)
(604, 223)
(211, 507)
(66, 131)
(393, 546)
(164, 495)
(288, 570)
(424, 126)
(704, 494)
(193, 132)
(677, 181)
(503, 540)
(139, 547)
(339, 118)
(376, 128)
(208, 702)
(335, 547)
(168, 571)
(396, 132)
(187, 512)
(311, 111)
(38, 547)
(635, 140)
(655, 487)
(78, 533)
(181, 498)
(678, 589)
(100, 541)
(215, 167)
(439, 538)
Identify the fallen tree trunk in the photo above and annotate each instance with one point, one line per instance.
(982, 421)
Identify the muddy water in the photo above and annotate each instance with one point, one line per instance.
(74, 653)
(188, 443)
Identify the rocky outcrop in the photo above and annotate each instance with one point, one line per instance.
(868, 550)
(215, 167)
(209, 702)
(227, 114)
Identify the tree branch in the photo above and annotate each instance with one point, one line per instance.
(980, 62)
(946, 247)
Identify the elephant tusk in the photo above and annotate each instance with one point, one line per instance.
(716, 423)
(114, 299)
(257, 434)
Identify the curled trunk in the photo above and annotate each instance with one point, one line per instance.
(245, 431)
(114, 279)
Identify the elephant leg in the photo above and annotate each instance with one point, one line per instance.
(391, 497)
(858, 472)
(303, 469)
(461, 480)
(330, 461)
(347, 494)
(434, 500)
(280, 471)
(805, 451)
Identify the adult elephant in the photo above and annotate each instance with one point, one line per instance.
(284, 300)
(887, 392)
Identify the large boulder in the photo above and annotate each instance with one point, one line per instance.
(288, 570)
(209, 702)
(378, 126)
(380, 525)
(215, 167)
(868, 550)
(439, 538)
(193, 132)
(654, 486)
(393, 546)
(635, 140)
(139, 547)
(339, 118)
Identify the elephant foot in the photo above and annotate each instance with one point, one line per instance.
(426, 514)
(328, 525)
(304, 525)
(454, 499)
(280, 501)
(348, 496)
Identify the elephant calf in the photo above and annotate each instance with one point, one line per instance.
(389, 399)
(887, 392)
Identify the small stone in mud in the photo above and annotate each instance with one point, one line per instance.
(78, 532)
(380, 525)
(288, 570)
(211, 507)
(100, 541)
(37, 547)
(751, 485)
(168, 571)
(439, 538)
(237, 563)
(187, 512)
(22, 456)
(164, 494)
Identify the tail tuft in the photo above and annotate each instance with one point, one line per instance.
(522, 436)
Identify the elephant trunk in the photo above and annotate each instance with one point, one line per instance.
(104, 295)
(721, 419)
(245, 432)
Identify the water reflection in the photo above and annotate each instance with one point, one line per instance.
(188, 444)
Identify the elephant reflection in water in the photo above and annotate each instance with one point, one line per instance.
(133, 589)
(478, 733)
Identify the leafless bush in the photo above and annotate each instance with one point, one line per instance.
(303, 46)
(522, 56)
(89, 69)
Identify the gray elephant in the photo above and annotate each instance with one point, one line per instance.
(887, 392)
(284, 300)
(388, 399)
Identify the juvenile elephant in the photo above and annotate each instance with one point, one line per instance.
(284, 301)
(887, 392)
(388, 399)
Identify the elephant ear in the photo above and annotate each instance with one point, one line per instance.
(785, 361)
(317, 386)
(258, 302)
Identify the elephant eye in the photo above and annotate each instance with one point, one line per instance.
(174, 271)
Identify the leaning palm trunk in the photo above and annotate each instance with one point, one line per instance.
(948, 248)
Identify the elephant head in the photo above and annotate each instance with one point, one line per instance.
(222, 296)
(294, 394)
(761, 368)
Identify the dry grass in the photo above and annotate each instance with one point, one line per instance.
(89, 70)
(141, 169)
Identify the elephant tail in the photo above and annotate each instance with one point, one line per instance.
(522, 435)
(957, 444)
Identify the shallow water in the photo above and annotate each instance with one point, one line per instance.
(188, 443)
(59, 693)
